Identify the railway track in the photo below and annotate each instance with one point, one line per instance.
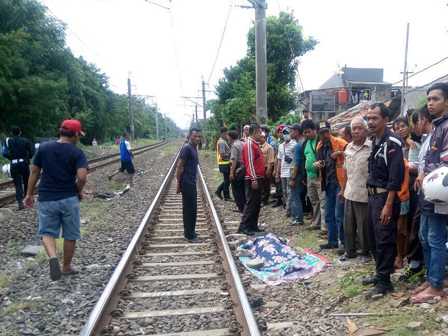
(164, 285)
(7, 193)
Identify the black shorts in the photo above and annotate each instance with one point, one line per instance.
(128, 166)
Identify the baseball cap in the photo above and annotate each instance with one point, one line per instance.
(72, 126)
(296, 127)
(323, 126)
(286, 129)
(280, 128)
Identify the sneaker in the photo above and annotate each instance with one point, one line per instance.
(380, 288)
(411, 274)
(193, 240)
(219, 195)
(293, 222)
(278, 203)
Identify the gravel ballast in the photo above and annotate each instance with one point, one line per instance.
(30, 303)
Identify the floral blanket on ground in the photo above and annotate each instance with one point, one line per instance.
(281, 262)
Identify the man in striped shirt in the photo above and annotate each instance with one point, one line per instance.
(252, 159)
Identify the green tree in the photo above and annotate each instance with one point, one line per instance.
(285, 43)
(42, 82)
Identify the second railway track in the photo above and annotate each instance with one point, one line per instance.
(7, 193)
(164, 285)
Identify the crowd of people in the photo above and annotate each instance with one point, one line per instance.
(363, 188)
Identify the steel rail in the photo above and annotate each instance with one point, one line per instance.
(106, 296)
(245, 305)
(7, 199)
(7, 184)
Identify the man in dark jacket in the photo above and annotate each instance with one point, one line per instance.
(386, 175)
(434, 216)
(20, 152)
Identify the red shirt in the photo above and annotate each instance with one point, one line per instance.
(253, 159)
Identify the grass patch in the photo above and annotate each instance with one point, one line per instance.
(116, 186)
(308, 239)
(350, 283)
(11, 248)
(90, 210)
(16, 307)
(100, 224)
(167, 150)
(398, 323)
(5, 280)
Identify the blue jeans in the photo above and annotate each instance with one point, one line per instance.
(334, 215)
(432, 236)
(296, 203)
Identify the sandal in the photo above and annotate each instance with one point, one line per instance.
(419, 289)
(55, 271)
(345, 257)
(422, 298)
(73, 271)
(366, 259)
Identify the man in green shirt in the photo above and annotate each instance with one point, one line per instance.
(311, 175)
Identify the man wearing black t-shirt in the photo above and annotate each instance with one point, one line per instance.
(187, 169)
(64, 175)
(19, 153)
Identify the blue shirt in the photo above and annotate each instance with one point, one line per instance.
(60, 163)
(125, 156)
(271, 141)
(189, 153)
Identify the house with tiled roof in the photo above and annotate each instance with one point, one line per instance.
(344, 90)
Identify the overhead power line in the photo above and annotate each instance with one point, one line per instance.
(293, 56)
(220, 43)
(428, 67)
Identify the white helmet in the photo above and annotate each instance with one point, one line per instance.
(435, 186)
(7, 169)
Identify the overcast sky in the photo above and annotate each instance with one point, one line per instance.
(168, 52)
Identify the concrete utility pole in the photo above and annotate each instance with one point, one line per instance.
(166, 137)
(196, 113)
(131, 117)
(157, 122)
(203, 104)
(260, 59)
(405, 70)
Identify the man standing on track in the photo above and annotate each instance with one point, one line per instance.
(235, 156)
(187, 169)
(254, 162)
(61, 187)
(20, 152)
(223, 159)
(386, 175)
(126, 159)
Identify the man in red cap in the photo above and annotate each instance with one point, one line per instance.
(64, 175)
